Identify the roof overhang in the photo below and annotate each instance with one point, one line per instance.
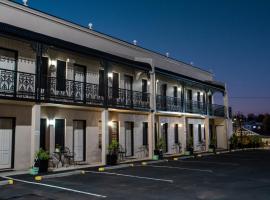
(10, 30)
(191, 81)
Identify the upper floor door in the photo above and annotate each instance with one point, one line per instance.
(163, 93)
(144, 90)
(115, 85)
(80, 79)
(128, 82)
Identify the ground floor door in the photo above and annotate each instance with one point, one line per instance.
(60, 133)
(190, 137)
(221, 137)
(164, 136)
(129, 139)
(43, 128)
(7, 134)
(79, 140)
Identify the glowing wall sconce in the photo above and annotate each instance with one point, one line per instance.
(110, 123)
(180, 125)
(52, 63)
(52, 122)
(110, 75)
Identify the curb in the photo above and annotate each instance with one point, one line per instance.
(59, 175)
(122, 166)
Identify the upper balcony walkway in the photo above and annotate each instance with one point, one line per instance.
(172, 104)
(23, 86)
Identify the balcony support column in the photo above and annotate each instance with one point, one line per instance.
(105, 135)
(227, 120)
(38, 48)
(183, 101)
(151, 134)
(207, 133)
(35, 131)
(105, 78)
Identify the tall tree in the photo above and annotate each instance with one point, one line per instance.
(266, 123)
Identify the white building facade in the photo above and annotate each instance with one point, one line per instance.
(65, 85)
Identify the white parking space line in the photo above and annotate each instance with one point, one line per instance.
(132, 176)
(57, 187)
(180, 168)
(207, 162)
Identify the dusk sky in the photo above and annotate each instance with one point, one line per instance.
(229, 37)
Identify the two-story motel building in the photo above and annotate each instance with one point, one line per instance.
(67, 85)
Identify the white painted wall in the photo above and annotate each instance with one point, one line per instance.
(138, 129)
(196, 123)
(22, 133)
(171, 123)
(93, 152)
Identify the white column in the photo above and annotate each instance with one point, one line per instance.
(151, 134)
(184, 144)
(35, 131)
(227, 121)
(105, 135)
(207, 133)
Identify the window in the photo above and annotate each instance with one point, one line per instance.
(176, 136)
(145, 133)
(200, 132)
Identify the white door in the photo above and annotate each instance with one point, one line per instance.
(79, 140)
(79, 78)
(221, 137)
(128, 139)
(5, 143)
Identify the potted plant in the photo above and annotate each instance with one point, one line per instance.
(42, 160)
(112, 155)
(159, 148)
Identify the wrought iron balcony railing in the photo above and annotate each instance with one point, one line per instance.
(15, 84)
(22, 85)
(122, 98)
(70, 91)
(165, 103)
(217, 110)
(195, 107)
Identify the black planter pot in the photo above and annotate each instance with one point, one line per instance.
(43, 166)
(159, 153)
(112, 159)
(190, 149)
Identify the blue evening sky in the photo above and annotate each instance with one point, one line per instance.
(229, 37)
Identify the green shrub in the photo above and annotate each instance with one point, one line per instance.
(42, 154)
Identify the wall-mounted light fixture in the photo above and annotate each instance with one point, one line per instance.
(110, 123)
(180, 125)
(52, 62)
(179, 89)
(51, 122)
(110, 75)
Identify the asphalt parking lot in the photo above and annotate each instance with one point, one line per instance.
(236, 175)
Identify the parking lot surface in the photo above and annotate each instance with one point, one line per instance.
(236, 175)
